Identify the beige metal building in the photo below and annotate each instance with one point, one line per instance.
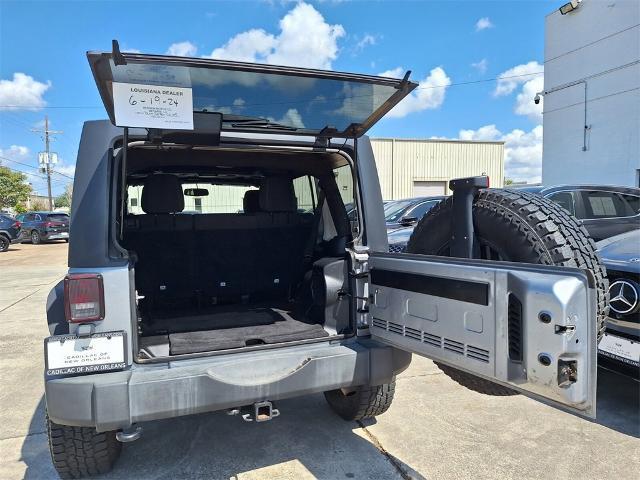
(419, 167)
(406, 167)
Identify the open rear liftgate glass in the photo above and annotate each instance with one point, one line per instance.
(525, 326)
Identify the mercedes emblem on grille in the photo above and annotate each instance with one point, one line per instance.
(623, 297)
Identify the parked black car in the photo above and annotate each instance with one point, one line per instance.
(9, 231)
(604, 210)
(403, 213)
(38, 227)
(619, 349)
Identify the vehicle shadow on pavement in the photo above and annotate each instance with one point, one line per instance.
(307, 440)
(618, 405)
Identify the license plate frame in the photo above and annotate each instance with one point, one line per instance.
(110, 354)
(620, 348)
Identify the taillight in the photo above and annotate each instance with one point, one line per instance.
(83, 297)
(16, 225)
(48, 224)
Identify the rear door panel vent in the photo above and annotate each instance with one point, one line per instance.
(395, 328)
(436, 341)
(453, 346)
(478, 353)
(413, 333)
(514, 325)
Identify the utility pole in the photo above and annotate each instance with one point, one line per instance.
(47, 154)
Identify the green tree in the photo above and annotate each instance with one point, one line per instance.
(13, 188)
(508, 181)
(64, 199)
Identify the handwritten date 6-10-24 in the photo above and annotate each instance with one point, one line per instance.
(153, 100)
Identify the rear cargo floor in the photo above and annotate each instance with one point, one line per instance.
(229, 328)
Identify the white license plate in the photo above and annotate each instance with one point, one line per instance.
(622, 349)
(70, 354)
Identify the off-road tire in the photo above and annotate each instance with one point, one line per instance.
(365, 402)
(524, 227)
(78, 452)
(35, 237)
(4, 243)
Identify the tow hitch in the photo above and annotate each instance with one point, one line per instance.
(258, 412)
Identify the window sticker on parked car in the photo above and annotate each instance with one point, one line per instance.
(152, 106)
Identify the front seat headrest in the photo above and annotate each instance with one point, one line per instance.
(277, 195)
(251, 201)
(162, 193)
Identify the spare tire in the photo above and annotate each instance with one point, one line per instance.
(514, 226)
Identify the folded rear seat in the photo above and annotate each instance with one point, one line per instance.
(161, 240)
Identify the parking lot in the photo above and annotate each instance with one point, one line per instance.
(435, 428)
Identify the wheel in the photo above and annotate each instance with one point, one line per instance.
(35, 237)
(78, 452)
(4, 243)
(362, 403)
(514, 226)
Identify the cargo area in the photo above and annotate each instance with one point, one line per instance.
(235, 249)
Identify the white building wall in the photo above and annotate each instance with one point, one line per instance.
(597, 45)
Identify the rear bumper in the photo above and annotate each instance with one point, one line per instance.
(55, 236)
(111, 401)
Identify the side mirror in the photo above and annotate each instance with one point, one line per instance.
(407, 221)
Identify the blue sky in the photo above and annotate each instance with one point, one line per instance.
(446, 44)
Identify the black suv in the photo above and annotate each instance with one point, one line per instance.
(9, 231)
(605, 211)
(41, 227)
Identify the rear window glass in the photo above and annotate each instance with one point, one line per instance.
(221, 199)
(58, 217)
(604, 204)
(565, 200)
(632, 201)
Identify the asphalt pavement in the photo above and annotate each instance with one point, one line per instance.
(435, 428)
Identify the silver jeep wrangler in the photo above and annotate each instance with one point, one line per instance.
(212, 264)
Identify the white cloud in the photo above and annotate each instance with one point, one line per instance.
(364, 42)
(291, 117)
(509, 80)
(69, 170)
(397, 72)
(488, 132)
(428, 95)
(23, 92)
(250, 46)
(523, 75)
(483, 24)
(481, 66)
(305, 40)
(523, 150)
(182, 49)
(15, 152)
(130, 50)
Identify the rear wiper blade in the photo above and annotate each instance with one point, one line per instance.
(262, 123)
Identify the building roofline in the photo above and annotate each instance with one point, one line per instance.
(440, 140)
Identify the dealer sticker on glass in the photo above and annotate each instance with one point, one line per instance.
(72, 355)
(152, 106)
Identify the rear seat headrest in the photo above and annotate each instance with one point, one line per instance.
(162, 193)
(251, 201)
(277, 195)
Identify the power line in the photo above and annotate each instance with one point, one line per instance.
(35, 168)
